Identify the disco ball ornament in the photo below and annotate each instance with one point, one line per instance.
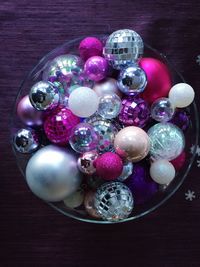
(89, 47)
(167, 141)
(44, 96)
(26, 141)
(84, 138)
(96, 68)
(86, 162)
(122, 48)
(109, 106)
(126, 172)
(106, 131)
(107, 86)
(59, 124)
(52, 173)
(113, 201)
(181, 119)
(132, 80)
(134, 112)
(162, 110)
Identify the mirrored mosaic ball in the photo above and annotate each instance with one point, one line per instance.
(132, 80)
(123, 47)
(162, 110)
(113, 201)
(167, 141)
(84, 138)
(109, 106)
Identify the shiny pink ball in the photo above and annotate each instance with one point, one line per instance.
(58, 125)
(89, 47)
(109, 166)
(96, 68)
(158, 79)
(28, 114)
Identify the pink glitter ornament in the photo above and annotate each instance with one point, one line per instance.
(134, 112)
(58, 125)
(109, 166)
(96, 68)
(89, 47)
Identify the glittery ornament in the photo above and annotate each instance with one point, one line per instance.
(113, 201)
(181, 119)
(59, 124)
(74, 200)
(107, 86)
(109, 166)
(52, 173)
(134, 112)
(123, 47)
(141, 184)
(126, 172)
(162, 109)
(132, 143)
(89, 204)
(106, 131)
(132, 80)
(109, 106)
(96, 68)
(44, 96)
(83, 138)
(26, 141)
(167, 141)
(89, 47)
(28, 114)
(86, 162)
(181, 95)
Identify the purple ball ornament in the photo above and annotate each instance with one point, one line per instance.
(141, 184)
(96, 68)
(89, 47)
(181, 119)
(134, 112)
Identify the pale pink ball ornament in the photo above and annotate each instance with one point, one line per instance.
(107, 86)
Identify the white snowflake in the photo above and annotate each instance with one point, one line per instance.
(198, 60)
(198, 163)
(190, 195)
(197, 151)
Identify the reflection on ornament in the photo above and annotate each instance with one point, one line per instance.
(109, 106)
(162, 109)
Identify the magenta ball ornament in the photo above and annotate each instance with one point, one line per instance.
(96, 68)
(89, 47)
(59, 124)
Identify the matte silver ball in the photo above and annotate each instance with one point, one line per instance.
(44, 96)
(52, 173)
(26, 141)
(132, 80)
(123, 47)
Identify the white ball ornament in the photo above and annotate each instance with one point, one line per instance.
(162, 171)
(83, 102)
(181, 95)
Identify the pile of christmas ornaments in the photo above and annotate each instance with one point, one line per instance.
(105, 128)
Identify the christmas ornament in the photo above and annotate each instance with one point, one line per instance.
(132, 80)
(179, 162)
(106, 131)
(83, 102)
(134, 112)
(26, 141)
(132, 143)
(74, 200)
(109, 106)
(126, 172)
(28, 114)
(86, 162)
(123, 47)
(94, 181)
(181, 119)
(83, 138)
(140, 183)
(89, 47)
(181, 95)
(59, 124)
(52, 173)
(109, 166)
(162, 171)
(96, 68)
(44, 96)
(107, 86)
(113, 201)
(89, 204)
(158, 77)
(167, 141)
(162, 110)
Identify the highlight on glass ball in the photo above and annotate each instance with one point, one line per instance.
(114, 126)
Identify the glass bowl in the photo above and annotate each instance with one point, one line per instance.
(165, 193)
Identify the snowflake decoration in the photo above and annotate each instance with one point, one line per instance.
(190, 195)
(198, 60)
(197, 151)
(198, 163)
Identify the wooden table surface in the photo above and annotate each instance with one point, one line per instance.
(33, 234)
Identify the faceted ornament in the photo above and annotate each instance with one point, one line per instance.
(162, 110)
(109, 106)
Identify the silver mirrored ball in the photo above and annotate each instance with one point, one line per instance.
(162, 109)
